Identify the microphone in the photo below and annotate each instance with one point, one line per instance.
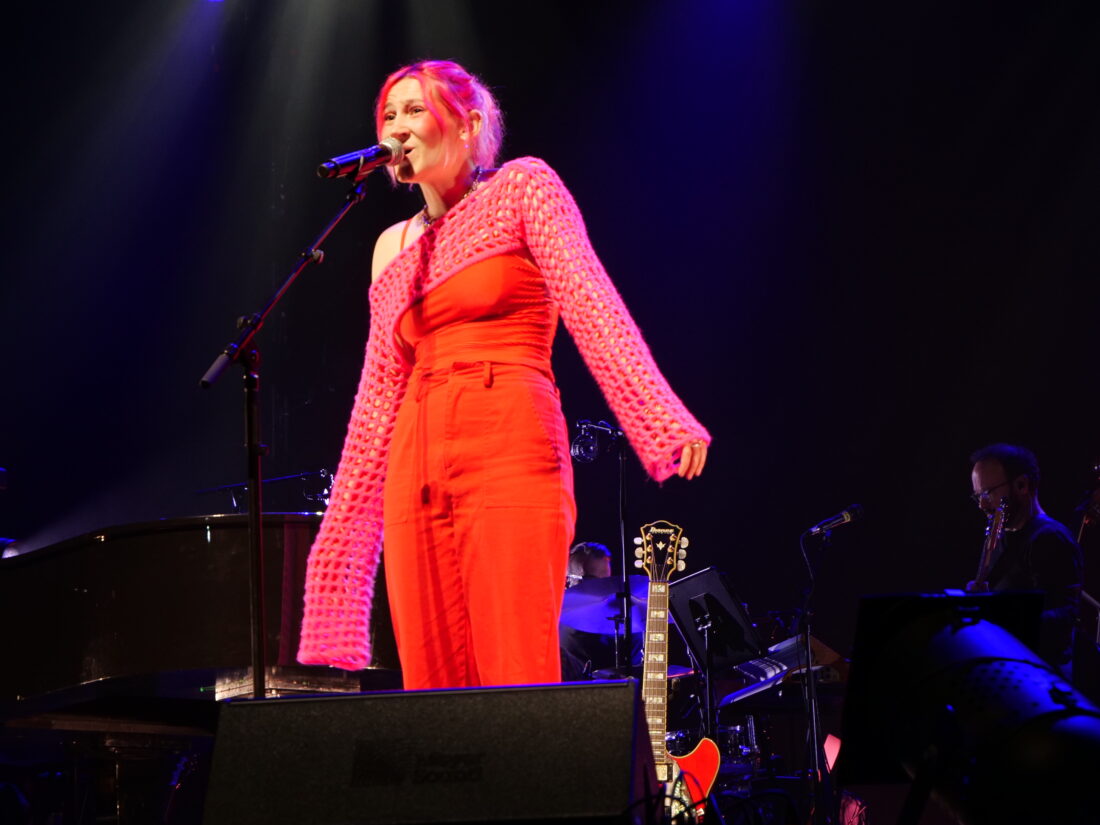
(853, 513)
(387, 153)
(585, 447)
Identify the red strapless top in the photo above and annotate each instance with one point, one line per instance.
(495, 310)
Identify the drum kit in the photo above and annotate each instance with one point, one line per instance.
(704, 699)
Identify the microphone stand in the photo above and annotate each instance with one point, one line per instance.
(243, 351)
(585, 449)
(821, 790)
(704, 624)
(625, 648)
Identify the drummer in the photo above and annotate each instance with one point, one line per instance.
(582, 652)
(588, 560)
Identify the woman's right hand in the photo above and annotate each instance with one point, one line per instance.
(693, 458)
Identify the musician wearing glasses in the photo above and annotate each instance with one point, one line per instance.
(1035, 552)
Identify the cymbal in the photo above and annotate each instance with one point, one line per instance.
(588, 590)
(592, 604)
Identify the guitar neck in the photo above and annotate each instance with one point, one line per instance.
(993, 532)
(655, 674)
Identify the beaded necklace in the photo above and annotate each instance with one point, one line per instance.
(427, 220)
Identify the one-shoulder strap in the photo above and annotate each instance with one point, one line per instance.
(404, 230)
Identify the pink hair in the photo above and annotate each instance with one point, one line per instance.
(451, 90)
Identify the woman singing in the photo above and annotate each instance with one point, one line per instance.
(457, 449)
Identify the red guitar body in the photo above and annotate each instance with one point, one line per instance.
(698, 770)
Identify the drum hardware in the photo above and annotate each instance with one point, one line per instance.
(738, 742)
(744, 761)
(592, 605)
(679, 742)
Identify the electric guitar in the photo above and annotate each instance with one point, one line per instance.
(689, 778)
(994, 530)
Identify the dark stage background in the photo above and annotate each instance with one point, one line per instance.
(859, 237)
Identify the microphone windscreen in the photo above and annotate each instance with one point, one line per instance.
(397, 150)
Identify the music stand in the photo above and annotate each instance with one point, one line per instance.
(730, 638)
(715, 627)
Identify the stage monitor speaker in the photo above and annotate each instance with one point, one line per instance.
(571, 753)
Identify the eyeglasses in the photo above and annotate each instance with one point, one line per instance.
(981, 495)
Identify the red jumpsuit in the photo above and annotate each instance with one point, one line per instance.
(456, 449)
(478, 502)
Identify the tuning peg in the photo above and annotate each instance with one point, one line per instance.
(683, 554)
(681, 566)
(639, 553)
(637, 539)
(638, 563)
(684, 541)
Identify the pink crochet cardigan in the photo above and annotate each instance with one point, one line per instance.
(524, 206)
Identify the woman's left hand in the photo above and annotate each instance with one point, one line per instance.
(692, 459)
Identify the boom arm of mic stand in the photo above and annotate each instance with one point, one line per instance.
(241, 351)
(250, 325)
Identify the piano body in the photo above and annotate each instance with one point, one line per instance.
(117, 642)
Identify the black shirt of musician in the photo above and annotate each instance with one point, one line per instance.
(1042, 555)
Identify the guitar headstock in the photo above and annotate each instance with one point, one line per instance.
(997, 517)
(662, 548)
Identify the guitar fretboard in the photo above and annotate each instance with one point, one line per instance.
(655, 674)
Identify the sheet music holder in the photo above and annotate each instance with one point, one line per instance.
(731, 637)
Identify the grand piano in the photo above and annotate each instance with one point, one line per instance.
(117, 644)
